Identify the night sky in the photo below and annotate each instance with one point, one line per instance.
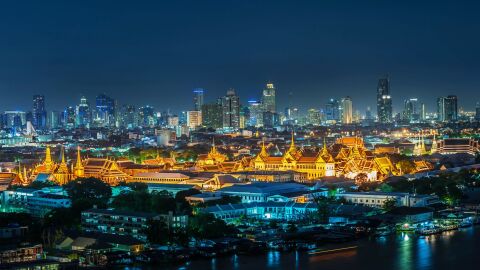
(154, 52)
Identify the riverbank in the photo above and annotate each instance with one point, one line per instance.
(400, 251)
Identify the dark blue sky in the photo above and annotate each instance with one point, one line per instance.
(154, 52)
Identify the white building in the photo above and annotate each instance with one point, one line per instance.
(378, 199)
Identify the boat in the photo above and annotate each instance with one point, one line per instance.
(317, 252)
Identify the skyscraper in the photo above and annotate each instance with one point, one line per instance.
(39, 114)
(83, 113)
(384, 101)
(194, 119)
(411, 113)
(256, 113)
(198, 99)
(146, 116)
(231, 110)
(268, 98)
(447, 109)
(69, 117)
(105, 110)
(477, 112)
(332, 110)
(212, 115)
(347, 110)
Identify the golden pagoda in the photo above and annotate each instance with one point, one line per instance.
(79, 170)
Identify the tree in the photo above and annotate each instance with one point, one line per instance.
(389, 204)
(158, 232)
(135, 186)
(92, 189)
(206, 226)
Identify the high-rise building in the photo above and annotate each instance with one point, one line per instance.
(105, 110)
(411, 113)
(129, 117)
(198, 99)
(423, 113)
(39, 114)
(83, 113)
(212, 115)
(256, 113)
(447, 109)
(146, 116)
(194, 119)
(69, 117)
(347, 110)
(231, 110)
(270, 119)
(477, 112)
(15, 119)
(384, 101)
(54, 119)
(314, 117)
(332, 110)
(268, 98)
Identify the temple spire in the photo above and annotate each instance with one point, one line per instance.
(79, 170)
(48, 159)
(292, 143)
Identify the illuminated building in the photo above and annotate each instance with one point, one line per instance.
(477, 112)
(458, 145)
(49, 170)
(129, 117)
(419, 148)
(146, 116)
(347, 110)
(194, 119)
(314, 117)
(83, 115)
(411, 113)
(231, 110)
(256, 113)
(105, 169)
(447, 109)
(212, 115)
(173, 121)
(105, 110)
(69, 117)
(268, 98)
(15, 119)
(39, 114)
(384, 101)
(211, 161)
(198, 99)
(332, 110)
(270, 119)
(316, 166)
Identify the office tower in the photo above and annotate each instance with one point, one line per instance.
(368, 114)
(384, 101)
(69, 117)
(39, 114)
(256, 113)
(146, 116)
(198, 99)
(270, 119)
(447, 109)
(129, 117)
(212, 115)
(423, 113)
(173, 121)
(410, 111)
(268, 98)
(314, 117)
(347, 110)
(105, 110)
(477, 112)
(15, 119)
(194, 119)
(332, 110)
(83, 113)
(231, 110)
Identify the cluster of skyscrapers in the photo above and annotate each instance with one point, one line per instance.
(228, 113)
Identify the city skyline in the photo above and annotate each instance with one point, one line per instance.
(319, 50)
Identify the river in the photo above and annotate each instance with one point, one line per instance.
(449, 250)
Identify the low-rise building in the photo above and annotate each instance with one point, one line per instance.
(262, 191)
(378, 199)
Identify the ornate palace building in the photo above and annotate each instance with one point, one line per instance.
(348, 157)
(316, 166)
